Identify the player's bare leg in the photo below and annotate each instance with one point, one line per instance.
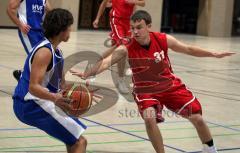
(79, 147)
(68, 148)
(203, 132)
(152, 129)
(121, 73)
(201, 127)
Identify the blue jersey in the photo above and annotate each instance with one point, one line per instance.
(52, 78)
(32, 12)
(44, 114)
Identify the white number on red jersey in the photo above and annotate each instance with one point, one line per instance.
(159, 56)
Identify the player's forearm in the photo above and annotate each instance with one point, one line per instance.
(40, 92)
(140, 3)
(101, 9)
(119, 53)
(199, 52)
(97, 68)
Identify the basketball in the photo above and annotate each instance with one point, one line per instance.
(81, 98)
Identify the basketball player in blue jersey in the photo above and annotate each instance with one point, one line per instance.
(37, 101)
(28, 16)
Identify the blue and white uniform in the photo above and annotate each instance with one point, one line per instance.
(31, 12)
(41, 113)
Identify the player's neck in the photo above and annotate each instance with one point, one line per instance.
(146, 41)
(55, 42)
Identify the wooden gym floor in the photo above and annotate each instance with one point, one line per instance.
(115, 126)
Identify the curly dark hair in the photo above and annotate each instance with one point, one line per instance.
(141, 15)
(56, 21)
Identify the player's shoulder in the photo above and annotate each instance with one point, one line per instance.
(160, 35)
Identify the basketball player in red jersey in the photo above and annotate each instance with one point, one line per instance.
(120, 24)
(155, 85)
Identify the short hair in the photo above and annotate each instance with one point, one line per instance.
(141, 15)
(56, 21)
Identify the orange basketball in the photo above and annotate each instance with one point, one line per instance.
(81, 98)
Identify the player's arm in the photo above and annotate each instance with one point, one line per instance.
(103, 64)
(40, 62)
(101, 9)
(136, 2)
(12, 13)
(109, 51)
(63, 81)
(181, 47)
(48, 6)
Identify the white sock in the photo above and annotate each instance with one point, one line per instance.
(207, 149)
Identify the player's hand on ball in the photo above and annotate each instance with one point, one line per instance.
(63, 103)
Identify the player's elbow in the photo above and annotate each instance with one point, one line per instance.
(143, 4)
(32, 88)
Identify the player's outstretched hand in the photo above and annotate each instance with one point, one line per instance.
(77, 73)
(222, 54)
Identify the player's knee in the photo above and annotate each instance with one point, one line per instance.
(150, 122)
(197, 119)
(149, 117)
(82, 142)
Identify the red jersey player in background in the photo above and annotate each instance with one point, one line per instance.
(120, 25)
(155, 85)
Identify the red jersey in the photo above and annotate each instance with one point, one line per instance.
(121, 9)
(152, 72)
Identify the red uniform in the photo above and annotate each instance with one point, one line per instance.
(120, 21)
(154, 82)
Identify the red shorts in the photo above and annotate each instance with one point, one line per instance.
(181, 101)
(121, 33)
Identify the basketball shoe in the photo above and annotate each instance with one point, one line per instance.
(17, 74)
(207, 149)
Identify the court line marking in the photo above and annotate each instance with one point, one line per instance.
(7, 67)
(94, 125)
(180, 150)
(5, 92)
(117, 132)
(224, 126)
(98, 143)
(226, 149)
(217, 96)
